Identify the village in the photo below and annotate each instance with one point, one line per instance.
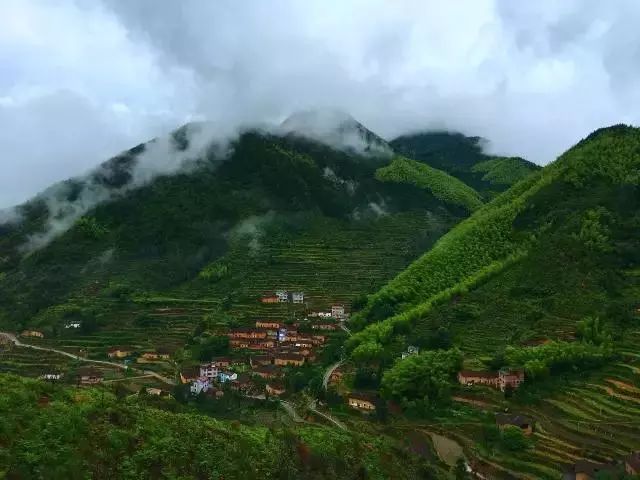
(263, 354)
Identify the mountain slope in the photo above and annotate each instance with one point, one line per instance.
(575, 217)
(546, 278)
(463, 158)
(55, 432)
(277, 212)
(441, 185)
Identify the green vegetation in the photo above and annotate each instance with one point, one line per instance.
(504, 170)
(544, 277)
(279, 213)
(422, 381)
(57, 433)
(555, 357)
(463, 158)
(443, 186)
(527, 231)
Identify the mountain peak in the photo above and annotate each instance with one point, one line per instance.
(336, 128)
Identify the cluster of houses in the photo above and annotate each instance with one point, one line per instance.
(283, 296)
(505, 378)
(285, 342)
(210, 378)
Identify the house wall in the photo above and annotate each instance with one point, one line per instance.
(362, 404)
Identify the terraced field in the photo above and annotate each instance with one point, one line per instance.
(598, 420)
(329, 260)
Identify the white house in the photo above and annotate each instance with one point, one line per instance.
(325, 314)
(283, 296)
(201, 384)
(72, 325)
(297, 297)
(337, 311)
(51, 376)
(411, 350)
(209, 370)
(227, 376)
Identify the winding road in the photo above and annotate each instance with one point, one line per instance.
(327, 374)
(13, 339)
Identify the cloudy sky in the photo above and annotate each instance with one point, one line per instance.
(82, 80)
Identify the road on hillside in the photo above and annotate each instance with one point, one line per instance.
(13, 339)
(327, 374)
(291, 411)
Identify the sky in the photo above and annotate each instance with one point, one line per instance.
(82, 80)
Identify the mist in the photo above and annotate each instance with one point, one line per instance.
(67, 201)
(82, 81)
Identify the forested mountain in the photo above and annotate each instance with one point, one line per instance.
(543, 280)
(463, 157)
(559, 245)
(256, 211)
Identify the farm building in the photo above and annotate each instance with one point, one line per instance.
(523, 422)
(89, 376)
(275, 389)
(362, 401)
(337, 311)
(119, 352)
(32, 333)
(289, 359)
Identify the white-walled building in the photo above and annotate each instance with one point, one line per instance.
(209, 370)
(337, 311)
(199, 385)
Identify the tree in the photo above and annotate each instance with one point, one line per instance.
(592, 330)
(426, 377)
(513, 439)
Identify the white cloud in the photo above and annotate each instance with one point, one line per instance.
(82, 80)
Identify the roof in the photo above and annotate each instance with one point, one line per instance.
(267, 369)
(191, 372)
(477, 374)
(513, 419)
(276, 385)
(633, 460)
(290, 356)
(367, 397)
(261, 358)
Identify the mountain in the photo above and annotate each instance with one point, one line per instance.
(545, 277)
(567, 217)
(337, 128)
(463, 158)
(209, 227)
